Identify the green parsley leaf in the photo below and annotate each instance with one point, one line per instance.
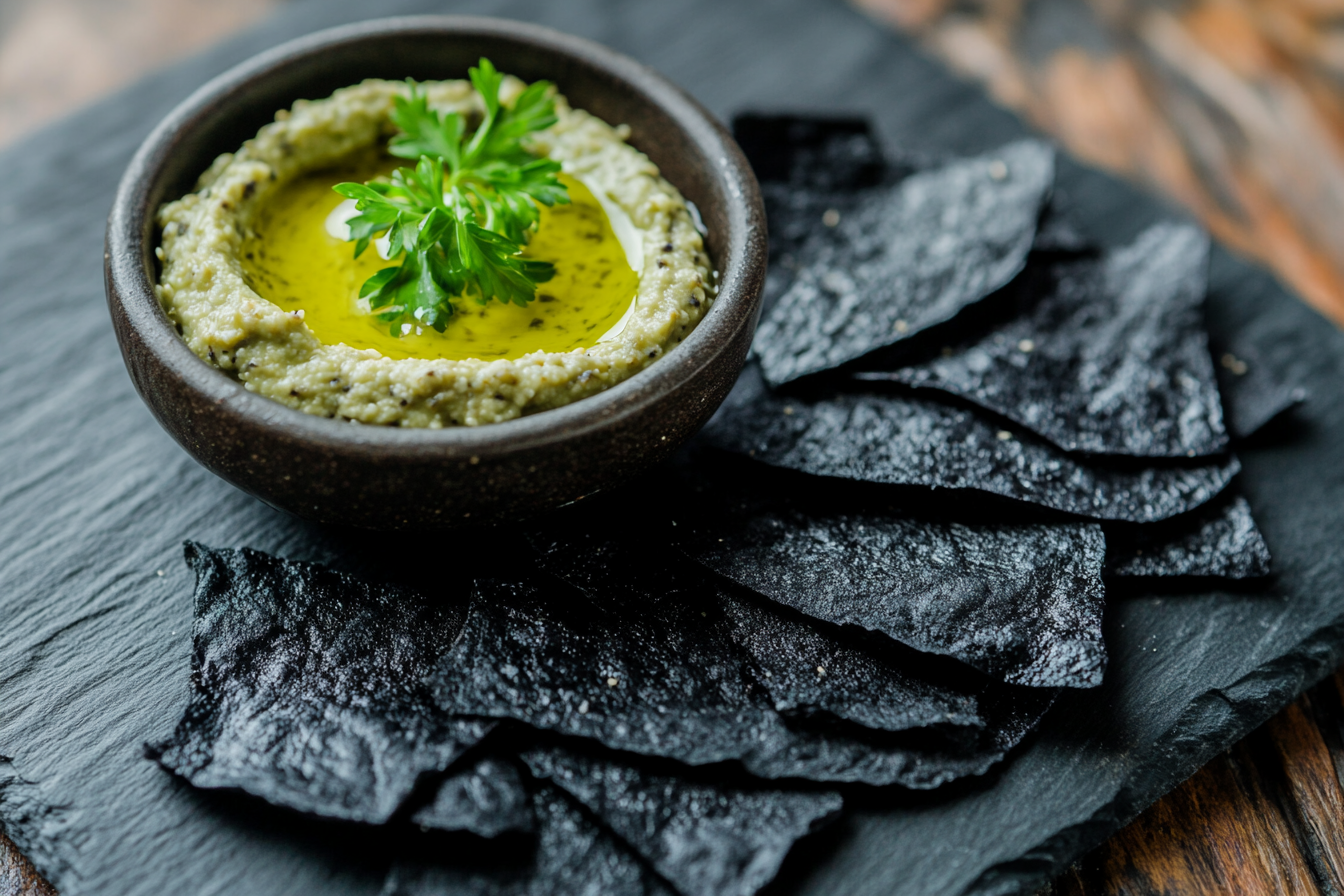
(460, 218)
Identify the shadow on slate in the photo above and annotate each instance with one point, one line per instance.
(487, 798)
(1104, 355)
(1219, 539)
(707, 837)
(1019, 601)
(815, 153)
(573, 854)
(1059, 231)
(613, 644)
(877, 433)
(1253, 392)
(308, 687)
(808, 166)
(898, 259)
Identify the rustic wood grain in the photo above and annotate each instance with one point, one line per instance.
(1232, 107)
(17, 875)
(1265, 817)
(56, 55)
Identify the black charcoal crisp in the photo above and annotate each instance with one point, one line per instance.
(307, 687)
(487, 798)
(1219, 539)
(806, 667)
(573, 855)
(648, 660)
(876, 433)
(904, 258)
(1020, 602)
(1110, 356)
(707, 838)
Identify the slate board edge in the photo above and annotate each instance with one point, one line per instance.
(1213, 722)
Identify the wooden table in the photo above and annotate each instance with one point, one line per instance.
(1233, 108)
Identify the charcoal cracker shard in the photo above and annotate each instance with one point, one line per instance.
(1219, 539)
(875, 433)
(906, 257)
(1104, 355)
(705, 838)
(486, 797)
(1020, 602)
(572, 855)
(307, 687)
(646, 659)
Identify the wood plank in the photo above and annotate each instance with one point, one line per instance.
(1263, 818)
(56, 55)
(1310, 791)
(17, 875)
(1231, 107)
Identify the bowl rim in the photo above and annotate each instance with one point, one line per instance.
(741, 269)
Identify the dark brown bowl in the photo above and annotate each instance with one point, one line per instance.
(382, 477)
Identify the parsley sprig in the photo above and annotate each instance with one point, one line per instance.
(459, 219)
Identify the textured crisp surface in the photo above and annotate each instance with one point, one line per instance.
(308, 687)
(1218, 539)
(573, 855)
(1020, 602)
(1105, 355)
(872, 432)
(647, 659)
(707, 838)
(902, 258)
(95, 647)
(487, 797)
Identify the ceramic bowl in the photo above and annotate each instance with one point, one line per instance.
(381, 477)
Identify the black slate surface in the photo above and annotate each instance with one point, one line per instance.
(95, 644)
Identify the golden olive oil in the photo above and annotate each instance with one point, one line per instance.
(290, 259)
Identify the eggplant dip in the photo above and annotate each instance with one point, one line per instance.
(490, 280)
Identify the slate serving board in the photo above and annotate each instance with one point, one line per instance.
(95, 601)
